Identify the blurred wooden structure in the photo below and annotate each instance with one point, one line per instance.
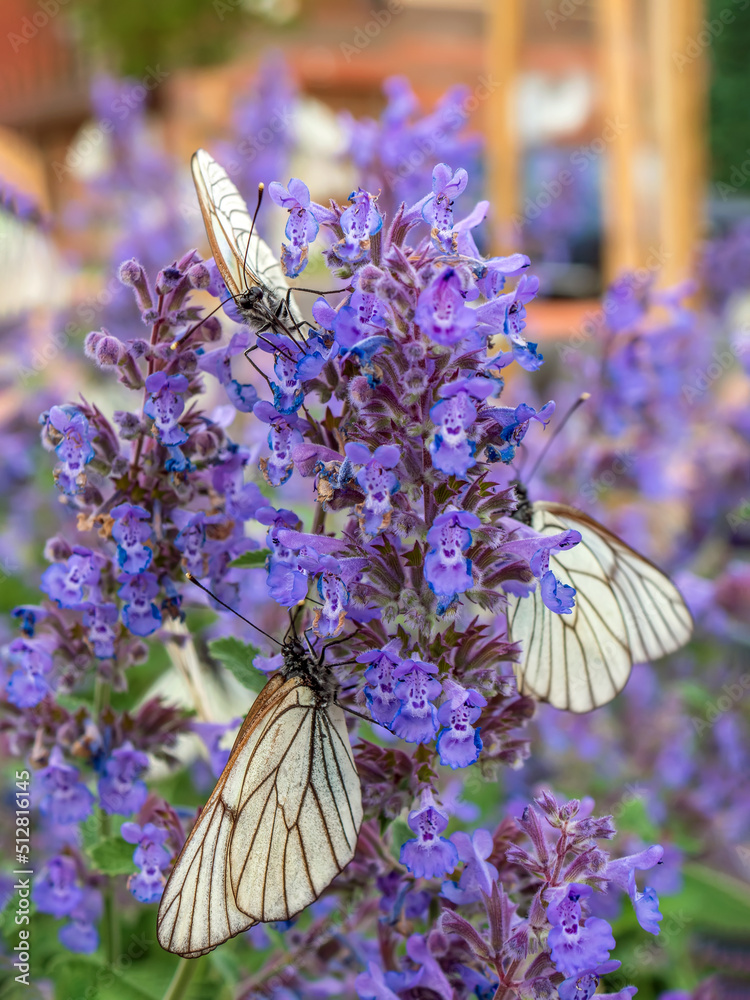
(644, 60)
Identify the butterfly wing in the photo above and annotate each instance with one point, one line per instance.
(627, 611)
(281, 823)
(229, 227)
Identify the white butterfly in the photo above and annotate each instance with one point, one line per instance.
(252, 274)
(281, 823)
(626, 611)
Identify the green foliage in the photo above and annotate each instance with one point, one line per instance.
(238, 657)
(251, 560)
(113, 856)
(729, 127)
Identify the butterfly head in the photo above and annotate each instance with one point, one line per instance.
(250, 297)
(524, 509)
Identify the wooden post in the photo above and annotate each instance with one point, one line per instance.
(505, 29)
(620, 130)
(679, 74)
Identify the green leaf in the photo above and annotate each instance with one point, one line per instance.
(113, 856)
(238, 657)
(250, 560)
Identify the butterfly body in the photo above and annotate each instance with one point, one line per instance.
(626, 611)
(281, 823)
(253, 276)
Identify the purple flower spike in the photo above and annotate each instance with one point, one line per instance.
(301, 228)
(54, 889)
(130, 532)
(120, 790)
(166, 405)
(75, 450)
(478, 875)
(442, 313)
(66, 799)
(575, 946)
(459, 744)
(438, 210)
(380, 689)
(428, 855)
(416, 719)
(446, 569)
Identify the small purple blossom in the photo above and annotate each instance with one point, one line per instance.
(166, 405)
(55, 889)
(416, 719)
(150, 856)
(438, 210)
(360, 222)
(301, 228)
(381, 684)
(575, 945)
(459, 743)
(139, 614)
(583, 985)
(442, 313)
(377, 481)
(100, 620)
(428, 855)
(66, 799)
(288, 394)
(32, 659)
(446, 568)
(74, 449)
(81, 935)
(68, 582)
(131, 531)
(120, 788)
(478, 875)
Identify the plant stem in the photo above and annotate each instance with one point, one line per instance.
(111, 929)
(183, 974)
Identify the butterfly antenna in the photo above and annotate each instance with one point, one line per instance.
(261, 189)
(579, 402)
(181, 340)
(234, 612)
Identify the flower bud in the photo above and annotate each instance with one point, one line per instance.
(199, 276)
(132, 274)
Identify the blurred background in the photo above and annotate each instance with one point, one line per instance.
(612, 138)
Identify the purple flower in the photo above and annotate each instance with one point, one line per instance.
(139, 614)
(81, 935)
(54, 889)
(243, 396)
(442, 313)
(362, 318)
(66, 799)
(166, 406)
(100, 620)
(288, 394)
(451, 449)
(438, 210)
(459, 744)
(130, 532)
(559, 597)
(371, 985)
(416, 719)
(380, 689)
(74, 450)
(66, 582)
(360, 222)
(429, 979)
(377, 482)
(428, 855)
(621, 873)
(32, 657)
(241, 499)
(301, 228)
(583, 985)
(575, 946)
(288, 569)
(478, 875)
(329, 620)
(120, 790)
(446, 569)
(514, 423)
(212, 733)
(283, 437)
(150, 856)
(509, 312)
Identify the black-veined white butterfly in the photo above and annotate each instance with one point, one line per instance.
(281, 823)
(626, 611)
(251, 272)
